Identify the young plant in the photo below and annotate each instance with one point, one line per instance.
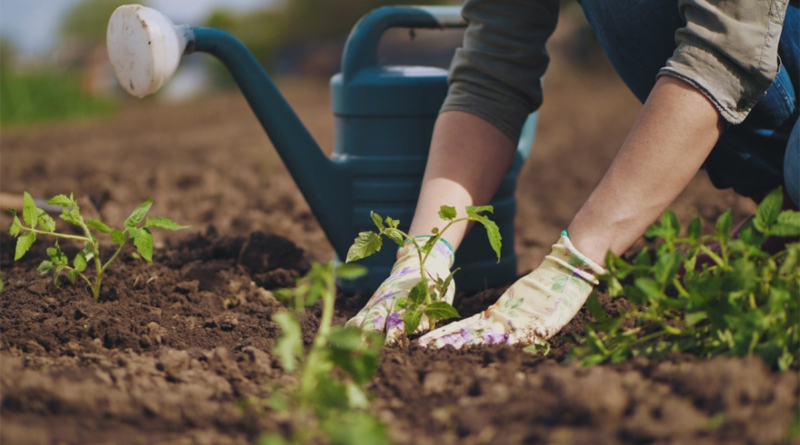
(426, 297)
(329, 402)
(739, 300)
(40, 223)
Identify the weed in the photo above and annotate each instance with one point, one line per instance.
(134, 230)
(738, 301)
(329, 402)
(425, 297)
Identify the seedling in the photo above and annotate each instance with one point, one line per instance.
(426, 296)
(330, 399)
(40, 223)
(739, 300)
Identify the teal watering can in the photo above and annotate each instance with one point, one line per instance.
(384, 122)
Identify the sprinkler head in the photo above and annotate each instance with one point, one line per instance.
(144, 47)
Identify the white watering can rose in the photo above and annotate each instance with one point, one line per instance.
(144, 47)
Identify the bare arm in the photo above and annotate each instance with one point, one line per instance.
(468, 159)
(673, 135)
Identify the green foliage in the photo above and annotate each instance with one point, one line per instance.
(87, 20)
(330, 400)
(271, 30)
(739, 300)
(426, 296)
(40, 223)
(47, 95)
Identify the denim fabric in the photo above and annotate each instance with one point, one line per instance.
(638, 37)
(791, 165)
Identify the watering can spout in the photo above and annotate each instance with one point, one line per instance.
(146, 46)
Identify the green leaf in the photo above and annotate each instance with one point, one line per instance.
(417, 293)
(13, 230)
(768, 211)
(377, 220)
(784, 230)
(595, 308)
(439, 310)
(724, 223)
(666, 267)
(138, 215)
(412, 319)
(24, 242)
(695, 230)
(667, 227)
(493, 232)
(143, 240)
(393, 223)
(401, 303)
(394, 235)
(693, 318)
(788, 224)
(79, 262)
(350, 271)
(447, 213)
(45, 268)
(164, 223)
(72, 216)
(57, 256)
(73, 275)
(348, 339)
(119, 238)
(473, 211)
(353, 427)
(98, 225)
(46, 221)
(367, 243)
(446, 283)
(290, 343)
(30, 212)
(60, 200)
(650, 288)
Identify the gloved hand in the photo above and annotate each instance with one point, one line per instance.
(533, 309)
(380, 313)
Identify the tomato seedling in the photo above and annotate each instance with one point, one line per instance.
(426, 296)
(686, 297)
(40, 223)
(330, 399)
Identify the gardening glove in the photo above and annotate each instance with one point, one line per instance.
(380, 313)
(533, 309)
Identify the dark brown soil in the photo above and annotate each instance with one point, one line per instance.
(172, 347)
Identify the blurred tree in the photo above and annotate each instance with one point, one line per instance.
(88, 19)
(297, 22)
(7, 53)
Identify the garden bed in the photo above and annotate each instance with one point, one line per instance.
(172, 349)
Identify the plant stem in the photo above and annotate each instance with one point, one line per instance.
(97, 263)
(308, 380)
(720, 262)
(57, 235)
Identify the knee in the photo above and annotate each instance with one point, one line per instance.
(791, 165)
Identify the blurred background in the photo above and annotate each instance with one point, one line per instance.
(54, 66)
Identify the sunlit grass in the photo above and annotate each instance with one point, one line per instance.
(45, 96)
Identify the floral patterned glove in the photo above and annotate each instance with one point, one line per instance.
(533, 309)
(380, 313)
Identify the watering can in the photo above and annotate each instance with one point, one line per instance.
(384, 117)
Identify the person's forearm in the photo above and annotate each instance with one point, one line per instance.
(468, 159)
(675, 132)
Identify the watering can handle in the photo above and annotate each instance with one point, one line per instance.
(361, 50)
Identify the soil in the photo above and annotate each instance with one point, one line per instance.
(171, 348)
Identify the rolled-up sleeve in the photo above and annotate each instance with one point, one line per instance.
(729, 51)
(496, 74)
